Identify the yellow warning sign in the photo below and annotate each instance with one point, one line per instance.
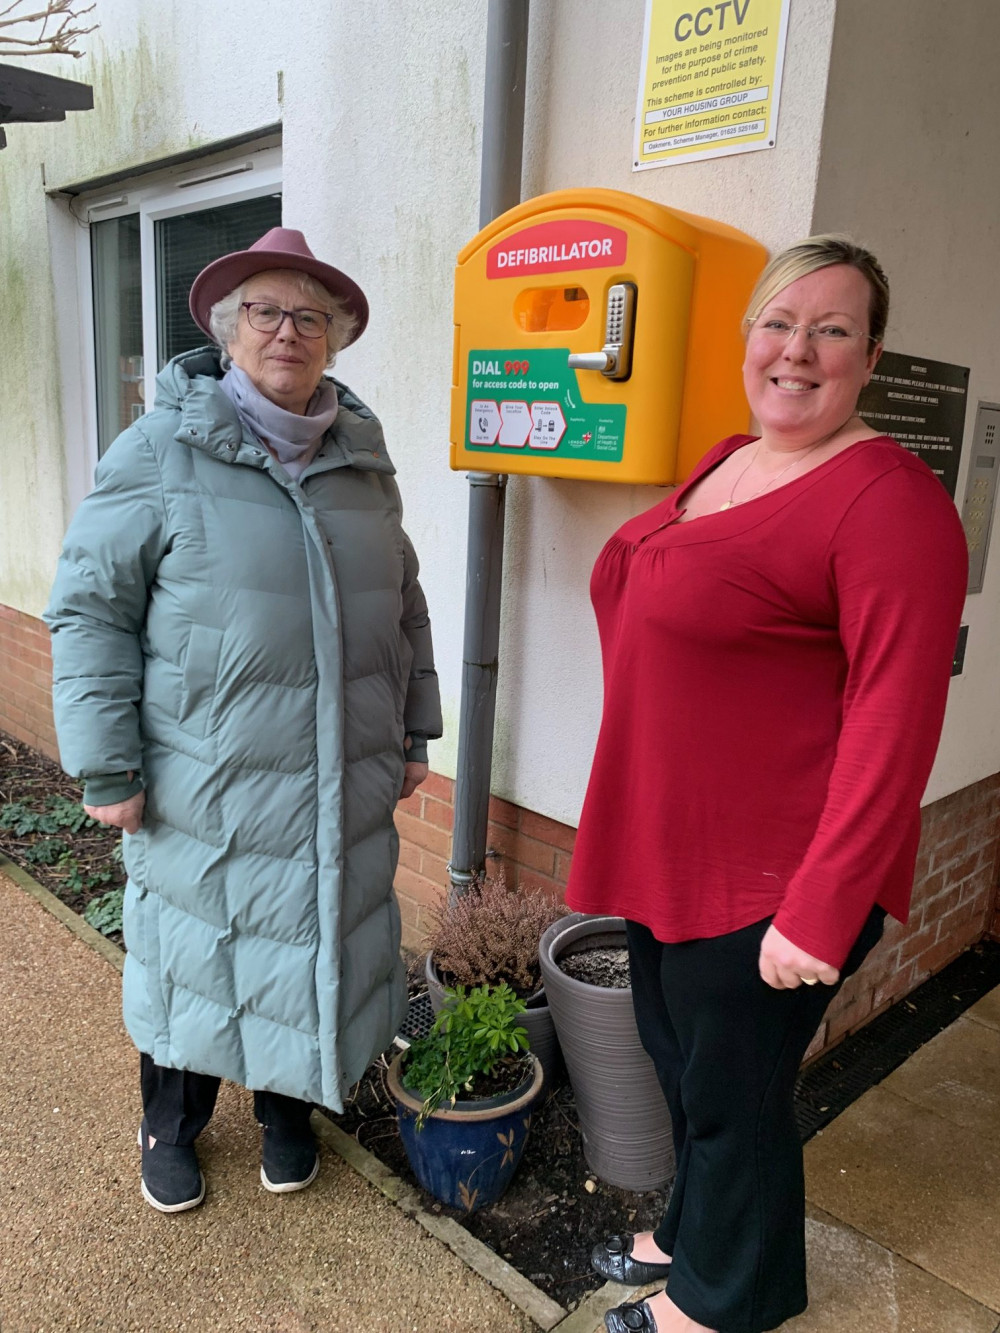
(710, 79)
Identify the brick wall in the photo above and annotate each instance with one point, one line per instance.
(531, 848)
(424, 823)
(955, 898)
(26, 681)
(955, 902)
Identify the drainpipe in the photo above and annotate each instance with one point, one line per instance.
(499, 190)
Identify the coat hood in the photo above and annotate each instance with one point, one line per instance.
(189, 384)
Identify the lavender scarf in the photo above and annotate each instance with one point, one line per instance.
(291, 438)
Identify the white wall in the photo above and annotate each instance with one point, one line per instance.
(909, 160)
(159, 88)
(383, 170)
(583, 76)
(381, 108)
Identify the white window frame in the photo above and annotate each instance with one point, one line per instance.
(231, 180)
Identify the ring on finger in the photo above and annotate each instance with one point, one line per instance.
(809, 981)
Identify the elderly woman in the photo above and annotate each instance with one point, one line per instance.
(777, 638)
(244, 680)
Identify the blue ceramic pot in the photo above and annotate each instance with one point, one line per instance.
(465, 1156)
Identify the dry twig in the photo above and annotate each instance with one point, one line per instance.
(61, 42)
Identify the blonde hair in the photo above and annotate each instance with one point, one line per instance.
(225, 315)
(818, 252)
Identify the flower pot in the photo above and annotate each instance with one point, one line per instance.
(623, 1114)
(536, 1021)
(466, 1155)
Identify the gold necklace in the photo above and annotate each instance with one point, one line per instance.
(730, 503)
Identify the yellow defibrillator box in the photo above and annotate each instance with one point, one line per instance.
(597, 336)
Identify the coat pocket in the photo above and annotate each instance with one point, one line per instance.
(201, 670)
(134, 911)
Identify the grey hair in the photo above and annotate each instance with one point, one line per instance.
(818, 252)
(224, 316)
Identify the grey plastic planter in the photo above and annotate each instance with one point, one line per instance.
(622, 1111)
(536, 1020)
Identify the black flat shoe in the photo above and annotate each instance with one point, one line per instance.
(630, 1318)
(613, 1260)
(288, 1162)
(171, 1177)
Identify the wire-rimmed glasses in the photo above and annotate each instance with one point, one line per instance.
(781, 331)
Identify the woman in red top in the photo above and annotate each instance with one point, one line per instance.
(777, 638)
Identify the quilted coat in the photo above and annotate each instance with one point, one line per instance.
(256, 647)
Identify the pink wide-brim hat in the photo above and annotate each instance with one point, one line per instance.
(281, 247)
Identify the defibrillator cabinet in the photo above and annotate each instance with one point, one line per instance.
(597, 336)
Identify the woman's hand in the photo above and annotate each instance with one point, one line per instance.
(126, 815)
(412, 778)
(784, 965)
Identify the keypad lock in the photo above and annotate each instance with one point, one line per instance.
(614, 361)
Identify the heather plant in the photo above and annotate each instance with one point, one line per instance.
(490, 935)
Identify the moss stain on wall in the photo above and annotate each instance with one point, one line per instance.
(136, 92)
(31, 474)
(128, 127)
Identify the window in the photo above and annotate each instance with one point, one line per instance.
(117, 324)
(146, 245)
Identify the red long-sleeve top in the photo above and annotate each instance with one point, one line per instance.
(775, 678)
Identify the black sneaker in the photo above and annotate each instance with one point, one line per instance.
(287, 1162)
(171, 1177)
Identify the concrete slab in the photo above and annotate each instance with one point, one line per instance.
(857, 1285)
(918, 1184)
(957, 1075)
(588, 1317)
(987, 1010)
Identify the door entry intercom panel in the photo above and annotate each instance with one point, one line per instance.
(597, 336)
(981, 491)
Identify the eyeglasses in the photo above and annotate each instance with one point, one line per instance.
(267, 318)
(779, 331)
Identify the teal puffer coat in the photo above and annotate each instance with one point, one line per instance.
(258, 648)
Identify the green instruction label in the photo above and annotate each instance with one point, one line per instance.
(530, 401)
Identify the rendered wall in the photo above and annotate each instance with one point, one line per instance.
(381, 113)
(580, 111)
(158, 90)
(381, 128)
(910, 145)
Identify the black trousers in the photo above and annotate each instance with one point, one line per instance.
(178, 1104)
(727, 1049)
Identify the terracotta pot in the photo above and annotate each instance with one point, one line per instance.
(623, 1114)
(465, 1156)
(536, 1021)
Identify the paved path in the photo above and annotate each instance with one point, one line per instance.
(79, 1249)
(903, 1188)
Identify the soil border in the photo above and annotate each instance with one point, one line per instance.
(548, 1314)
